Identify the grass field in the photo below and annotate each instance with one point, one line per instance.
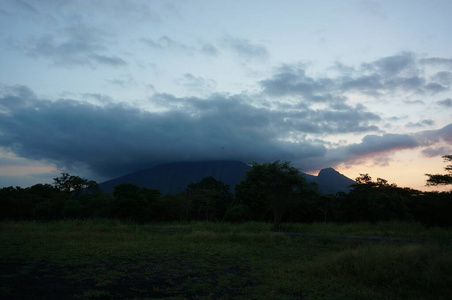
(107, 259)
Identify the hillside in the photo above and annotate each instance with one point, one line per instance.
(331, 181)
(173, 178)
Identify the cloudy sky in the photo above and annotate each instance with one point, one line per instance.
(102, 88)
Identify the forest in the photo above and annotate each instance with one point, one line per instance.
(271, 192)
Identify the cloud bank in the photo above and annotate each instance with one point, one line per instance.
(115, 138)
(292, 117)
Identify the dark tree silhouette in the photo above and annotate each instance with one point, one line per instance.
(209, 197)
(272, 187)
(134, 203)
(75, 184)
(441, 179)
(376, 201)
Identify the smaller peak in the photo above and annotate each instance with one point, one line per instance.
(328, 171)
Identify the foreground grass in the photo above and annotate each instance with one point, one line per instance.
(103, 259)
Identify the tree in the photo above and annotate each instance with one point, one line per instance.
(209, 198)
(48, 202)
(134, 203)
(375, 201)
(75, 184)
(271, 187)
(363, 179)
(441, 179)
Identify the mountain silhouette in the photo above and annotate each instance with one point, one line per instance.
(331, 181)
(173, 178)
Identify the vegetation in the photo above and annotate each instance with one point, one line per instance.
(209, 199)
(441, 179)
(271, 187)
(74, 184)
(271, 192)
(277, 237)
(110, 258)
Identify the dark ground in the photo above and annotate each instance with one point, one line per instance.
(124, 279)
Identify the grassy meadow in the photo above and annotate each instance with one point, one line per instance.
(108, 259)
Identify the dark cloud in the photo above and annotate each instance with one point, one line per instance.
(435, 152)
(122, 83)
(109, 60)
(209, 49)
(437, 61)
(112, 139)
(377, 148)
(419, 124)
(343, 69)
(435, 88)
(398, 118)
(76, 45)
(351, 119)
(446, 134)
(385, 76)
(293, 81)
(366, 84)
(117, 138)
(392, 65)
(413, 83)
(376, 84)
(443, 77)
(446, 102)
(197, 83)
(373, 144)
(245, 49)
(389, 75)
(428, 138)
(393, 74)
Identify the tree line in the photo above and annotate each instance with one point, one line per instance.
(270, 192)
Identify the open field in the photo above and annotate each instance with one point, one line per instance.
(105, 259)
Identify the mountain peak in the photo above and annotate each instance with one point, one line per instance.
(173, 178)
(327, 171)
(331, 181)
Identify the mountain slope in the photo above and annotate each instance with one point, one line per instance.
(331, 181)
(173, 178)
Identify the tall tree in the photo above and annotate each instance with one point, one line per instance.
(375, 201)
(271, 187)
(134, 203)
(441, 179)
(75, 184)
(210, 197)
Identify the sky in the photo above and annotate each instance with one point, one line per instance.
(103, 88)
